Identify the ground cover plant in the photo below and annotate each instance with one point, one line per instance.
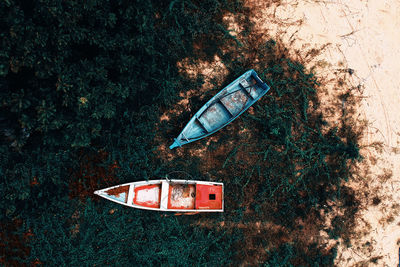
(84, 88)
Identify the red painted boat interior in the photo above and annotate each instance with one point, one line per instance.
(209, 197)
(148, 195)
(180, 196)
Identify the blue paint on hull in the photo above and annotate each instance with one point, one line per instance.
(223, 108)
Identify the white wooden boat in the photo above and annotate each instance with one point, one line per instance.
(168, 195)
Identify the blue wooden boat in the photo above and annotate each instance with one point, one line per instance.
(223, 108)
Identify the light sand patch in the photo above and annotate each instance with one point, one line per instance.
(164, 117)
(360, 41)
(208, 70)
(233, 26)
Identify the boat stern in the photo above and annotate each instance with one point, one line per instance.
(260, 82)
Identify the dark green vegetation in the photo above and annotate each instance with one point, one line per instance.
(83, 87)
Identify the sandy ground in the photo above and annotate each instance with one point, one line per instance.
(363, 36)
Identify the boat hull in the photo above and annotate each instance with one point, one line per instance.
(223, 108)
(168, 195)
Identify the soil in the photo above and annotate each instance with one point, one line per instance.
(14, 246)
(92, 176)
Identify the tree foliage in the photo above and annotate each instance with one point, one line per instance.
(84, 84)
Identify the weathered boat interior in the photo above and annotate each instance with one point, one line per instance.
(182, 196)
(147, 195)
(223, 108)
